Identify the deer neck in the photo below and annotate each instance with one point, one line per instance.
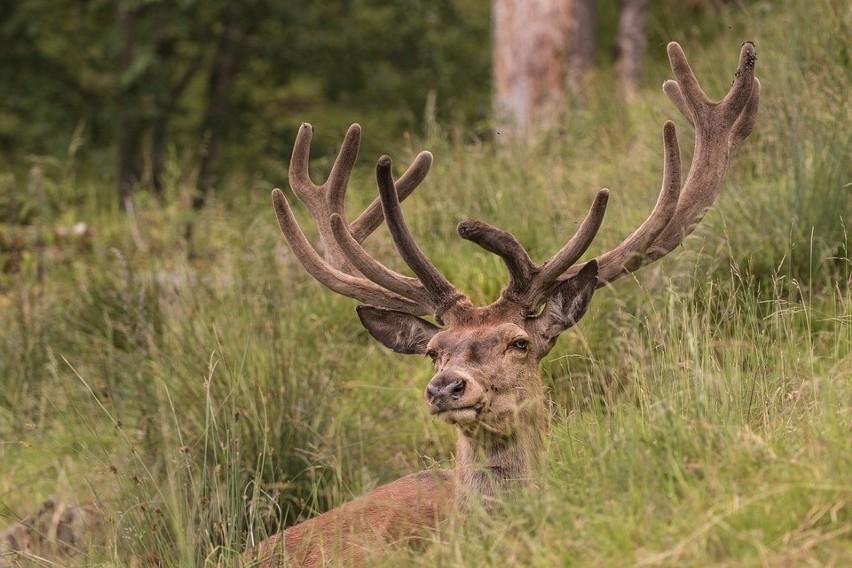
(487, 464)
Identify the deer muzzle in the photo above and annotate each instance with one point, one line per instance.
(454, 397)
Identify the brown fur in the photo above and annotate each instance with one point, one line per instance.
(398, 513)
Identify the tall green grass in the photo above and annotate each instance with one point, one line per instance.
(205, 395)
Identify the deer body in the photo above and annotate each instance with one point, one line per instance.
(400, 512)
(501, 420)
(486, 381)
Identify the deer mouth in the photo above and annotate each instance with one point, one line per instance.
(458, 415)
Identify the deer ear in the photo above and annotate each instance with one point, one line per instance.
(569, 301)
(399, 331)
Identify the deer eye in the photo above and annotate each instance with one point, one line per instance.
(520, 344)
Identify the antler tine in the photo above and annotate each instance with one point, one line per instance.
(344, 284)
(571, 251)
(446, 298)
(691, 90)
(322, 201)
(298, 175)
(746, 121)
(373, 216)
(672, 90)
(504, 245)
(719, 128)
(530, 284)
(630, 254)
(375, 271)
(742, 88)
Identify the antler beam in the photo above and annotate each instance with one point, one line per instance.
(445, 296)
(325, 203)
(719, 129)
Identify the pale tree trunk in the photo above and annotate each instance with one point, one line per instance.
(630, 45)
(582, 48)
(530, 54)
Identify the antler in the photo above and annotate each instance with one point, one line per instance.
(325, 203)
(349, 270)
(445, 297)
(327, 199)
(719, 129)
(430, 286)
(529, 284)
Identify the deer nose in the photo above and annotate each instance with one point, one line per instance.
(444, 388)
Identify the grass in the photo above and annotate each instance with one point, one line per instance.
(701, 411)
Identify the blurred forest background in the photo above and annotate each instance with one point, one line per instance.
(115, 91)
(122, 88)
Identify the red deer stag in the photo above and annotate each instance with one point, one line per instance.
(487, 381)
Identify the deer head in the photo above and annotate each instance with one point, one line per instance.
(486, 359)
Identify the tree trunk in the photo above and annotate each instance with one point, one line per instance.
(630, 45)
(219, 87)
(129, 129)
(174, 86)
(158, 156)
(582, 46)
(530, 54)
(129, 161)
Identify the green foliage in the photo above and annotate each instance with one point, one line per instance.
(147, 69)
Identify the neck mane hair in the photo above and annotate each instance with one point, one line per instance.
(487, 464)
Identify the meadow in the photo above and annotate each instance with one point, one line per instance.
(200, 394)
